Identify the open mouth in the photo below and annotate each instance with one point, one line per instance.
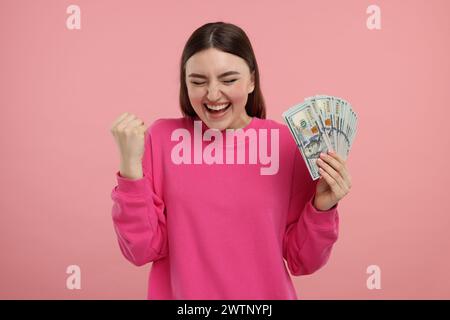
(217, 109)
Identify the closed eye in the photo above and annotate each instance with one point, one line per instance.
(227, 81)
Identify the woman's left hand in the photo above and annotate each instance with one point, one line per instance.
(335, 182)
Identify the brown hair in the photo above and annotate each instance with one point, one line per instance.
(229, 38)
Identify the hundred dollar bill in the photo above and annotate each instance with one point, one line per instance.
(323, 105)
(309, 134)
(338, 113)
(322, 123)
(346, 128)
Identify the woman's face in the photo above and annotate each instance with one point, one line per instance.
(218, 79)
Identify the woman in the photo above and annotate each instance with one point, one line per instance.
(213, 225)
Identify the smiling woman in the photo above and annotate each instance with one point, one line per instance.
(219, 98)
(217, 109)
(215, 225)
(218, 66)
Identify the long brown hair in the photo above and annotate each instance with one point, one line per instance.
(229, 38)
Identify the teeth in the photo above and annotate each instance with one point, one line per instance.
(219, 107)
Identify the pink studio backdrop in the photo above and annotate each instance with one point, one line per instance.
(61, 89)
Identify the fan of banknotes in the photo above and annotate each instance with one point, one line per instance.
(319, 124)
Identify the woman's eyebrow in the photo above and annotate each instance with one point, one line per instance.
(196, 75)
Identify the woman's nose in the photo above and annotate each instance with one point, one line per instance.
(213, 93)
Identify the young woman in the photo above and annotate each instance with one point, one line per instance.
(212, 222)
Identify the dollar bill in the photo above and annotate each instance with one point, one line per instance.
(321, 123)
(308, 133)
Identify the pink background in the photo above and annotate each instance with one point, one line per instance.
(60, 90)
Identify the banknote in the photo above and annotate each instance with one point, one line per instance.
(321, 123)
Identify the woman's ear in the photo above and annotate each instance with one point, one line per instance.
(251, 86)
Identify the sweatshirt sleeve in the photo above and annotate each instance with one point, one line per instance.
(310, 233)
(138, 214)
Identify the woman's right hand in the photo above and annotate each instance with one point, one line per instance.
(129, 133)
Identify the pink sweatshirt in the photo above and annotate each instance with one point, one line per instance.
(221, 230)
